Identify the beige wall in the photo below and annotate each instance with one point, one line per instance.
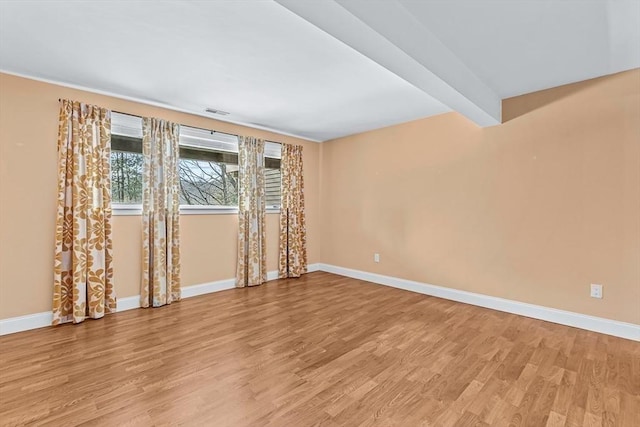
(28, 131)
(532, 210)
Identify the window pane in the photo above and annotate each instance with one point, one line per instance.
(272, 187)
(126, 177)
(207, 182)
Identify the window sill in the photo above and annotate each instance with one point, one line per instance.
(136, 210)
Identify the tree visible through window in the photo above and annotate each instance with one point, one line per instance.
(208, 183)
(126, 177)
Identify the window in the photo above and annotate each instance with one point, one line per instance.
(208, 167)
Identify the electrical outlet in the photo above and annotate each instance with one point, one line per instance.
(376, 257)
(596, 291)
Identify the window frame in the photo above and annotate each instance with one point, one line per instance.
(128, 129)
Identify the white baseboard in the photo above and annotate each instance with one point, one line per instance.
(568, 318)
(313, 267)
(591, 323)
(25, 323)
(41, 320)
(127, 303)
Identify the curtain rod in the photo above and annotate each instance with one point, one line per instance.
(194, 127)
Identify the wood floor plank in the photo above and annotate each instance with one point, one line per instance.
(321, 350)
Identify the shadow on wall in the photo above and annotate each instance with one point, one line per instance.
(517, 106)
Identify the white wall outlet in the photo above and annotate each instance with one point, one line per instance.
(596, 291)
(376, 257)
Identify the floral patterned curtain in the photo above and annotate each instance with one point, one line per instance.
(160, 213)
(252, 262)
(293, 233)
(83, 276)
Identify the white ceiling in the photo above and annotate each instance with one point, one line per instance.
(321, 69)
(521, 46)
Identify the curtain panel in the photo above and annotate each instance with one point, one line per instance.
(252, 262)
(83, 274)
(293, 233)
(160, 213)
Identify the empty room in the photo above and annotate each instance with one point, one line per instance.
(320, 213)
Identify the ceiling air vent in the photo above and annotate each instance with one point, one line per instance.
(214, 111)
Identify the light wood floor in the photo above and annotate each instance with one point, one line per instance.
(321, 350)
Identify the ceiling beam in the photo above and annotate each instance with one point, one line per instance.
(386, 33)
